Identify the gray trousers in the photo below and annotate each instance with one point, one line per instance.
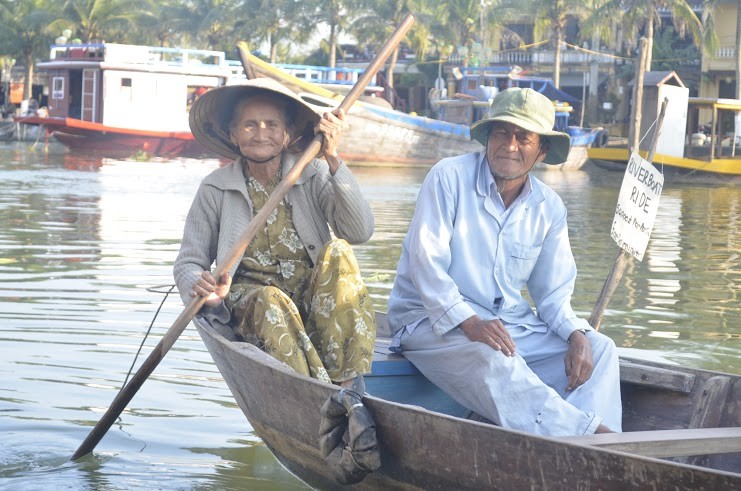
(525, 392)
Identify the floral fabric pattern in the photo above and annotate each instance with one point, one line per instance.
(318, 320)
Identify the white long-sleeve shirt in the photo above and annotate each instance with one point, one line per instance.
(466, 254)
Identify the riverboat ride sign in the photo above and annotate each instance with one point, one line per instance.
(637, 205)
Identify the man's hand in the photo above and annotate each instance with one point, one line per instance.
(579, 361)
(490, 332)
(206, 286)
(331, 125)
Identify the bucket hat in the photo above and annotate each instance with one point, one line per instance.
(531, 111)
(211, 113)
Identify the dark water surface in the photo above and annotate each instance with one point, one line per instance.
(86, 243)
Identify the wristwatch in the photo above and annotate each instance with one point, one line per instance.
(583, 331)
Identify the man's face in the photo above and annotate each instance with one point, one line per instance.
(260, 130)
(512, 151)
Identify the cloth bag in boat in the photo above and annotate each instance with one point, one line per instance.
(348, 435)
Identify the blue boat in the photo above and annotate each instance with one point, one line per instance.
(377, 135)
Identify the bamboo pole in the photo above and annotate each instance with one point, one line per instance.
(129, 390)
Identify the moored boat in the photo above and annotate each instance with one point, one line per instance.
(709, 155)
(377, 135)
(427, 442)
(7, 130)
(118, 99)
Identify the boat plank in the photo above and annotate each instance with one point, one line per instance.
(666, 443)
(655, 377)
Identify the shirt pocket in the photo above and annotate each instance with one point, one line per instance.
(521, 262)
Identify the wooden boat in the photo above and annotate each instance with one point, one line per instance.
(378, 135)
(112, 141)
(117, 99)
(7, 130)
(697, 157)
(426, 442)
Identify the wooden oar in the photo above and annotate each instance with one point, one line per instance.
(127, 392)
(621, 261)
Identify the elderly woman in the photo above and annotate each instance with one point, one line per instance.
(296, 292)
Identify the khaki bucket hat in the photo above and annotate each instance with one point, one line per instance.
(211, 113)
(531, 111)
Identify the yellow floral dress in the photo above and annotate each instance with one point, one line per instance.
(319, 320)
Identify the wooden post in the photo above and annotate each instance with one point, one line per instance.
(621, 261)
(635, 122)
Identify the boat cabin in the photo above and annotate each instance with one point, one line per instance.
(713, 128)
(477, 86)
(128, 86)
(485, 82)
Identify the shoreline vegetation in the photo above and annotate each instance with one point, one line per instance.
(447, 34)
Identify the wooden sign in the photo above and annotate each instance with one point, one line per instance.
(637, 205)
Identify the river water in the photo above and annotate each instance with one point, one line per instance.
(86, 250)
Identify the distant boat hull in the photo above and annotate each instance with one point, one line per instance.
(118, 142)
(718, 170)
(7, 130)
(378, 135)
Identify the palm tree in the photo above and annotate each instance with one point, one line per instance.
(644, 16)
(93, 19)
(172, 21)
(26, 33)
(333, 13)
(551, 18)
(271, 22)
(470, 23)
(377, 20)
(458, 22)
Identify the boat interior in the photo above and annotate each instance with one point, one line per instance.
(668, 412)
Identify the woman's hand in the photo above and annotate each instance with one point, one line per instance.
(206, 286)
(331, 125)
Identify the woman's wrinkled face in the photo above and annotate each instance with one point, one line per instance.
(260, 129)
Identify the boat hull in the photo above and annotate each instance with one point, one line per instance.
(114, 142)
(675, 169)
(382, 137)
(7, 130)
(422, 449)
(376, 135)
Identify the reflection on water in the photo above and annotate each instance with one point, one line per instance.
(83, 238)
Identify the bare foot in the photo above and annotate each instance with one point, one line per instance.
(347, 384)
(603, 429)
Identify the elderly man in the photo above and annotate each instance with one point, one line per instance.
(296, 293)
(484, 228)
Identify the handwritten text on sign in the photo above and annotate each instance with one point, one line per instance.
(637, 206)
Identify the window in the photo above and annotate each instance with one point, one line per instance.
(125, 82)
(57, 90)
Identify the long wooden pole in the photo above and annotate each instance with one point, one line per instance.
(127, 392)
(621, 261)
(635, 122)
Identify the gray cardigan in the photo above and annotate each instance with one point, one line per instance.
(222, 209)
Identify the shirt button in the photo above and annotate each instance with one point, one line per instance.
(311, 247)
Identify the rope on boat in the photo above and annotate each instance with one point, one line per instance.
(348, 435)
(152, 289)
